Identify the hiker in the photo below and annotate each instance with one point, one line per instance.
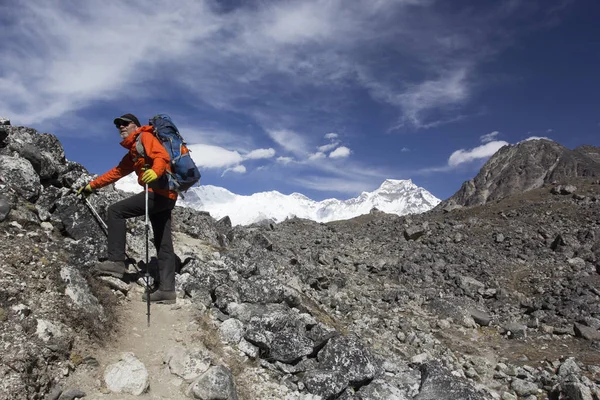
(161, 202)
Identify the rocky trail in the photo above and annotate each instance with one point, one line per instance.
(170, 326)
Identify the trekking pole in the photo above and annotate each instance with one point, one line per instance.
(101, 222)
(98, 217)
(147, 261)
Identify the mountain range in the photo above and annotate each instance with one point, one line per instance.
(399, 197)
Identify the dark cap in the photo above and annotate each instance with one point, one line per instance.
(128, 118)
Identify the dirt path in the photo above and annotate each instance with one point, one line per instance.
(169, 327)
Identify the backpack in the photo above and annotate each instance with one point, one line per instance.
(184, 173)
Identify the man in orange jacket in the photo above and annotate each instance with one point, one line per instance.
(161, 201)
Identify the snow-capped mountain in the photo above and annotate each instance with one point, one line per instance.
(393, 196)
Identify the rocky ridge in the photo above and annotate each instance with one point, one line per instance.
(525, 166)
(495, 301)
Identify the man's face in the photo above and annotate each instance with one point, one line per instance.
(125, 128)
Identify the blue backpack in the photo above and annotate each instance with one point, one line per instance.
(184, 173)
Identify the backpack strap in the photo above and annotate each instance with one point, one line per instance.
(139, 147)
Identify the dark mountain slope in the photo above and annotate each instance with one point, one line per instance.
(525, 166)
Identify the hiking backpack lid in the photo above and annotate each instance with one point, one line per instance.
(184, 173)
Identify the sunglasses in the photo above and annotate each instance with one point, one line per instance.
(122, 122)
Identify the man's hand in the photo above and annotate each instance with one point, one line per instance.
(149, 176)
(85, 190)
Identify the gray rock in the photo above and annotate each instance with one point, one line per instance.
(129, 375)
(248, 348)
(215, 384)
(261, 289)
(379, 389)
(568, 367)
(5, 207)
(524, 388)
(481, 317)
(187, 363)
(79, 292)
(325, 383)
(438, 383)
(19, 174)
(47, 330)
(414, 232)
(575, 390)
(72, 394)
(115, 283)
(231, 331)
(281, 335)
(586, 332)
(347, 355)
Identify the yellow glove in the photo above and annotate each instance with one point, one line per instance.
(149, 176)
(85, 190)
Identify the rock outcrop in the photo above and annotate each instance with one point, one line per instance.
(525, 166)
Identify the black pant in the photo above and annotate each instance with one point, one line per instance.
(159, 210)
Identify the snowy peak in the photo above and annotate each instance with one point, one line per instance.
(393, 196)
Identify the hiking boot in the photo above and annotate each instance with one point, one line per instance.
(112, 268)
(161, 297)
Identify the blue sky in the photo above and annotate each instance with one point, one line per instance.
(323, 97)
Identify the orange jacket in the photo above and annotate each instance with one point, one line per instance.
(156, 155)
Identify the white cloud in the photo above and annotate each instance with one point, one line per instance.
(289, 140)
(284, 160)
(238, 169)
(208, 156)
(331, 184)
(404, 149)
(449, 88)
(333, 135)
(340, 152)
(536, 138)
(489, 137)
(328, 147)
(260, 153)
(317, 156)
(484, 151)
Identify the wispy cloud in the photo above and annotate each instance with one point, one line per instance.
(489, 137)
(335, 184)
(316, 156)
(290, 141)
(238, 169)
(260, 153)
(480, 152)
(284, 160)
(328, 147)
(448, 89)
(227, 58)
(536, 138)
